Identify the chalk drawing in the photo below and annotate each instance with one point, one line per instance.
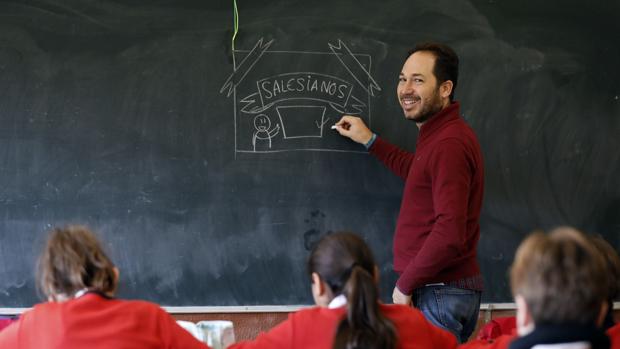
(322, 87)
(302, 121)
(262, 124)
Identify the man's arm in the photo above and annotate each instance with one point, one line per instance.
(451, 170)
(394, 158)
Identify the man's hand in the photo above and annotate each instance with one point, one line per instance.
(400, 298)
(354, 128)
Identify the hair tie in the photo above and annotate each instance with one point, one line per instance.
(347, 273)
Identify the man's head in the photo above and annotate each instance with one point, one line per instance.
(427, 81)
(558, 278)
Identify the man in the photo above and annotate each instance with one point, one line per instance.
(437, 231)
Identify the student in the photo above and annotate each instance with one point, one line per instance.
(560, 284)
(344, 278)
(612, 329)
(79, 281)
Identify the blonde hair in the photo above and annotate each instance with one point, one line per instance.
(72, 260)
(561, 277)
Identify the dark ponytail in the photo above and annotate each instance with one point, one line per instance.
(345, 263)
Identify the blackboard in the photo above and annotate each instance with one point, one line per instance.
(209, 186)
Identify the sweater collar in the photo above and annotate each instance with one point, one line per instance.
(447, 114)
(566, 333)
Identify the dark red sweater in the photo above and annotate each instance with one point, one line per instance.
(438, 225)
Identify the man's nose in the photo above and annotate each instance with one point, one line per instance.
(408, 88)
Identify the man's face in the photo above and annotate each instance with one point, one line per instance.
(418, 91)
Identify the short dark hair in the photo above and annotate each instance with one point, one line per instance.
(446, 62)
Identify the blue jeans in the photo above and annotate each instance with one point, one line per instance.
(453, 309)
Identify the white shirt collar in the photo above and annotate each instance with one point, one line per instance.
(573, 345)
(337, 302)
(80, 293)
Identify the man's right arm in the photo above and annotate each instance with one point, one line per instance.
(394, 158)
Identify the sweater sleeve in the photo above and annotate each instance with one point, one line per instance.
(8, 336)
(451, 172)
(176, 337)
(397, 160)
(501, 342)
(614, 335)
(281, 336)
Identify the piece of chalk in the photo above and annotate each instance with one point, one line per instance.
(334, 127)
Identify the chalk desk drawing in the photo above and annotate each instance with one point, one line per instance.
(287, 100)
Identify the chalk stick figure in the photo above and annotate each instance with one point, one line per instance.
(262, 123)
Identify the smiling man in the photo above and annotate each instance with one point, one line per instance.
(437, 231)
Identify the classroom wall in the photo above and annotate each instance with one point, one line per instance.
(117, 115)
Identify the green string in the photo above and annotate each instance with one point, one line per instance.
(235, 30)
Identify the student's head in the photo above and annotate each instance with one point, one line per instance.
(427, 81)
(342, 263)
(558, 278)
(72, 260)
(334, 259)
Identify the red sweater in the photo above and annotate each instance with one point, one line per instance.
(438, 225)
(94, 322)
(503, 341)
(614, 335)
(315, 328)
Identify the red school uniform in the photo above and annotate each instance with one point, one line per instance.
(96, 322)
(614, 334)
(503, 341)
(316, 327)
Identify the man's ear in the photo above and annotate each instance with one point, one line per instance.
(445, 89)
